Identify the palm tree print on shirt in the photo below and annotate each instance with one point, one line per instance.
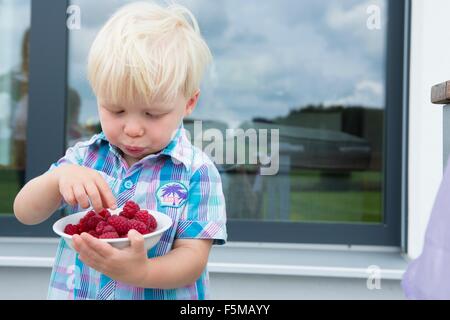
(174, 193)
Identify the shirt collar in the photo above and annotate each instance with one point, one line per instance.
(179, 148)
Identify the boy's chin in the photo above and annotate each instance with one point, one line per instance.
(139, 156)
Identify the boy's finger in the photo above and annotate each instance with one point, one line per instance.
(69, 197)
(108, 199)
(92, 258)
(80, 195)
(99, 247)
(136, 240)
(94, 195)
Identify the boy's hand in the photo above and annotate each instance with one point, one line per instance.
(128, 265)
(78, 184)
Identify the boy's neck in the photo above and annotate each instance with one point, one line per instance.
(130, 160)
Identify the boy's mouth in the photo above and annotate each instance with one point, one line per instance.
(135, 150)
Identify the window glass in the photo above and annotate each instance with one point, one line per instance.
(306, 77)
(14, 51)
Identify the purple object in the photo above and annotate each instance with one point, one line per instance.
(428, 276)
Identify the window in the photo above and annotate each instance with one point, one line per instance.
(315, 71)
(328, 75)
(32, 91)
(15, 17)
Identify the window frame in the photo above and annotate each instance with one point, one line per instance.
(47, 93)
(391, 232)
(46, 140)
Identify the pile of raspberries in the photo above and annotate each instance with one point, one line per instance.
(103, 225)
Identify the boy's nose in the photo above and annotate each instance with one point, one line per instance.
(133, 130)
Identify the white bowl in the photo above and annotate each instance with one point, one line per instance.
(164, 222)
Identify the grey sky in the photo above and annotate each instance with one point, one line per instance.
(269, 56)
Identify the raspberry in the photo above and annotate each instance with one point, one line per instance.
(138, 226)
(100, 226)
(87, 216)
(133, 205)
(109, 235)
(104, 213)
(93, 233)
(83, 225)
(71, 229)
(92, 222)
(125, 214)
(152, 224)
(129, 209)
(145, 217)
(142, 215)
(119, 223)
(109, 228)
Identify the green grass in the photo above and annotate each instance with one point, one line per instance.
(353, 207)
(336, 206)
(359, 200)
(354, 197)
(9, 187)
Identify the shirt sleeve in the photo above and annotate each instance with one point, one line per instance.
(74, 155)
(204, 216)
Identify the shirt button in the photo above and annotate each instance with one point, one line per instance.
(128, 184)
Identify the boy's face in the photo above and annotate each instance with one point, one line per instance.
(139, 130)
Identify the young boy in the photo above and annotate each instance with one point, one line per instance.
(145, 67)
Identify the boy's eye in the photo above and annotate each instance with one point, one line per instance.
(118, 112)
(151, 115)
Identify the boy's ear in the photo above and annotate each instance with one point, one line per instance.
(192, 102)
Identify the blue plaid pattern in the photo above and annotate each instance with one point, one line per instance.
(202, 216)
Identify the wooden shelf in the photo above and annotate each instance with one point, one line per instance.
(440, 93)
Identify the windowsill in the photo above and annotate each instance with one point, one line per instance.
(307, 260)
(246, 258)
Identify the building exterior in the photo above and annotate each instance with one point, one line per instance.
(360, 144)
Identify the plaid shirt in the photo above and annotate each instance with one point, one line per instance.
(197, 213)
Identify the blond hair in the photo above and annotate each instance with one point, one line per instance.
(146, 52)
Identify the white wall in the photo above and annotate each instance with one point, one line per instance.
(18, 283)
(238, 270)
(429, 65)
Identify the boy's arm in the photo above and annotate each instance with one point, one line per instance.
(188, 258)
(180, 267)
(38, 199)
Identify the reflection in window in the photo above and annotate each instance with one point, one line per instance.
(312, 69)
(14, 44)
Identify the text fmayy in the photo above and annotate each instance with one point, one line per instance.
(228, 309)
